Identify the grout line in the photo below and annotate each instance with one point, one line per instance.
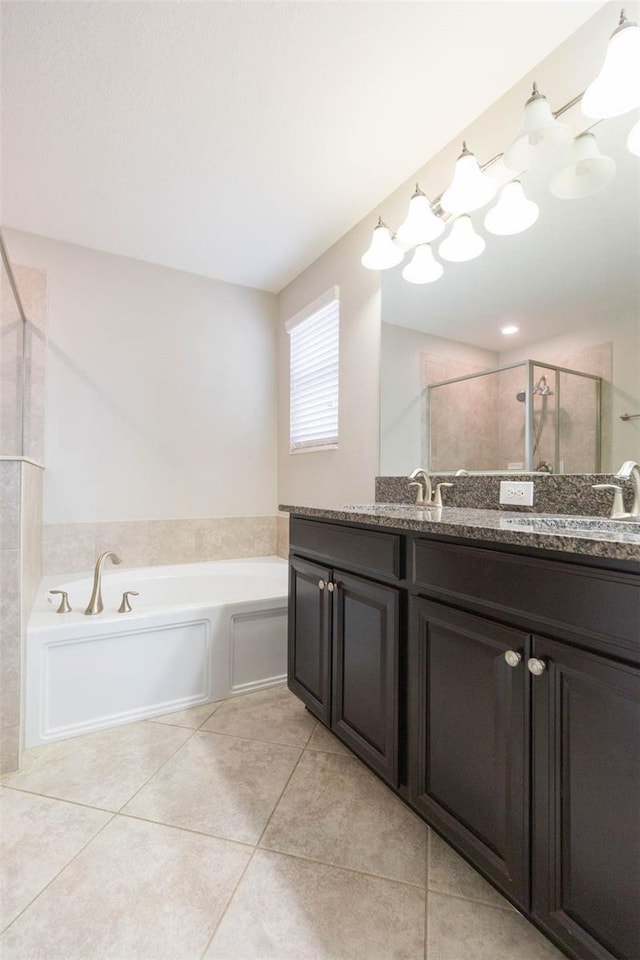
(161, 767)
(63, 868)
(250, 860)
(236, 736)
(176, 826)
(48, 796)
(340, 866)
(509, 908)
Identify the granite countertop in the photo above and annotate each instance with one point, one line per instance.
(590, 536)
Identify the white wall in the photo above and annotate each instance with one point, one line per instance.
(347, 474)
(334, 477)
(161, 390)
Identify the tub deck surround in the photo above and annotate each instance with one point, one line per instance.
(491, 526)
(197, 633)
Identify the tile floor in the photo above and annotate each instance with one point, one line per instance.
(239, 830)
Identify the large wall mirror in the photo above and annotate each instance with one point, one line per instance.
(571, 284)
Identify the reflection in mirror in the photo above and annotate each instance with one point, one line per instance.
(571, 286)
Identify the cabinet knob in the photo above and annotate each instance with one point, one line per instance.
(536, 666)
(513, 658)
(331, 586)
(321, 584)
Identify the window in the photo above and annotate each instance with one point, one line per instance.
(314, 334)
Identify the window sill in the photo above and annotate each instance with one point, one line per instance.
(319, 449)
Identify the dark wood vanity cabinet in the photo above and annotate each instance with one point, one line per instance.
(343, 658)
(468, 738)
(586, 801)
(504, 708)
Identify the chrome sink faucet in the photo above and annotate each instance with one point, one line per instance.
(420, 478)
(631, 469)
(95, 603)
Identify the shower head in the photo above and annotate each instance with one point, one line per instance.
(541, 388)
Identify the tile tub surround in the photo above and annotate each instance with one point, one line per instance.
(20, 574)
(339, 891)
(490, 526)
(74, 547)
(553, 493)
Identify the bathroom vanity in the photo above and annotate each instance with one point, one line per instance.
(491, 677)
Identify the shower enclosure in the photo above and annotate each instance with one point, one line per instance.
(525, 416)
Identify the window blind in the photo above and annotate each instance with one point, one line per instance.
(314, 356)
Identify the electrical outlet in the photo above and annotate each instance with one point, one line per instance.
(516, 493)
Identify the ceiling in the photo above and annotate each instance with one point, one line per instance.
(239, 140)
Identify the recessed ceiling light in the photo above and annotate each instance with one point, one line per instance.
(509, 330)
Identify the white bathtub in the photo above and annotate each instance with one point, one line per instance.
(198, 632)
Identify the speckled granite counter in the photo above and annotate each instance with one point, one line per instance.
(589, 536)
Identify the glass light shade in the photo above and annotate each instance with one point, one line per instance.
(513, 213)
(616, 89)
(423, 268)
(421, 224)
(470, 188)
(633, 140)
(383, 252)
(463, 243)
(541, 139)
(587, 174)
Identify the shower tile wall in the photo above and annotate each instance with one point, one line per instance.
(16, 439)
(20, 573)
(577, 440)
(73, 547)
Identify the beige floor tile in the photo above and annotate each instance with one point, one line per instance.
(139, 891)
(194, 717)
(336, 811)
(103, 769)
(449, 873)
(324, 741)
(38, 837)
(464, 930)
(289, 909)
(219, 785)
(273, 714)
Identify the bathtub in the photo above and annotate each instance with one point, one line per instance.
(198, 632)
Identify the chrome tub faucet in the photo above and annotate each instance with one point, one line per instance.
(95, 603)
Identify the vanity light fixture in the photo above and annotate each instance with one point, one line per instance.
(542, 140)
(421, 224)
(423, 268)
(588, 173)
(509, 330)
(513, 213)
(383, 251)
(463, 243)
(616, 89)
(470, 188)
(542, 137)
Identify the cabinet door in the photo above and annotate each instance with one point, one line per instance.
(586, 763)
(309, 671)
(365, 670)
(468, 731)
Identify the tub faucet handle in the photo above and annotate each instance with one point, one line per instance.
(64, 607)
(125, 606)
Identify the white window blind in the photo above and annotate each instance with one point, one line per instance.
(314, 355)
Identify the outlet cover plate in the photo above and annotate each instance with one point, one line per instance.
(518, 493)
